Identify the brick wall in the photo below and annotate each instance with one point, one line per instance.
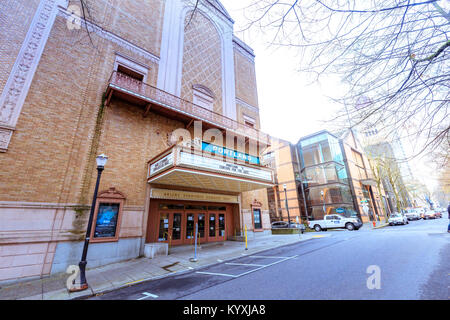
(245, 76)
(202, 60)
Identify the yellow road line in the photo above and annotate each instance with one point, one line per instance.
(134, 281)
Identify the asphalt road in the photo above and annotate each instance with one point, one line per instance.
(412, 260)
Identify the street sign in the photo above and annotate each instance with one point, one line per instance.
(340, 210)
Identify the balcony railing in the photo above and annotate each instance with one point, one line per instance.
(138, 89)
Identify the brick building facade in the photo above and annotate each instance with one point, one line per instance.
(154, 86)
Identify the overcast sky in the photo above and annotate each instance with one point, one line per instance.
(290, 106)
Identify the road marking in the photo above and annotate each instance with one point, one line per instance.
(148, 295)
(245, 264)
(217, 274)
(134, 281)
(271, 257)
(268, 265)
(318, 236)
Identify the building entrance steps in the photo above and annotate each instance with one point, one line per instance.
(127, 273)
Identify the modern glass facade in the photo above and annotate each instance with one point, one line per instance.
(324, 176)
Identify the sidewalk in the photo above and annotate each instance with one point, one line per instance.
(129, 272)
(369, 225)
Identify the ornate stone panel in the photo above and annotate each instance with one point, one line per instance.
(21, 76)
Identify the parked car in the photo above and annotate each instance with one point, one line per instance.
(298, 225)
(279, 224)
(412, 214)
(397, 218)
(438, 214)
(284, 224)
(430, 214)
(421, 212)
(334, 221)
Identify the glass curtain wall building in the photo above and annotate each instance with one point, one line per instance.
(324, 177)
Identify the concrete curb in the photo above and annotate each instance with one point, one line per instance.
(181, 271)
(382, 226)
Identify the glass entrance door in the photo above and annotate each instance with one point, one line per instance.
(212, 226)
(201, 220)
(222, 228)
(176, 226)
(193, 218)
(177, 223)
(190, 227)
(170, 227)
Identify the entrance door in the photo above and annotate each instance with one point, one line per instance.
(190, 228)
(222, 227)
(213, 226)
(201, 220)
(217, 226)
(176, 223)
(170, 227)
(192, 218)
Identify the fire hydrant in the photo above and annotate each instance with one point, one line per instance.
(374, 224)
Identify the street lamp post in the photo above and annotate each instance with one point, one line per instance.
(101, 162)
(287, 207)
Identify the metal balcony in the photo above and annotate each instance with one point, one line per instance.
(159, 101)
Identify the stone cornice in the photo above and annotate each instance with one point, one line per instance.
(243, 49)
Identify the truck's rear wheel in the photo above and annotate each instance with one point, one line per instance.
(317, 228)
(350, 226)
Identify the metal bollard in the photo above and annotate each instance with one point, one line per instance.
(246, 238)
(195, 245)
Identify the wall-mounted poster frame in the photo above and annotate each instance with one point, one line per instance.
(107, 216)
(257, 216)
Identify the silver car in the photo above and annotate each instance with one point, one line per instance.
(397, 218)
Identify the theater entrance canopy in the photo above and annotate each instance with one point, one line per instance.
(188, 168)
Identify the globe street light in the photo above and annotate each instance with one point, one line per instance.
(101, 162)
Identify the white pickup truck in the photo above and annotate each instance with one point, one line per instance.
(335, 221)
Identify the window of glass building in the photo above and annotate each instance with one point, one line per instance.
(331, 194)
(329, 173)
(319, 149)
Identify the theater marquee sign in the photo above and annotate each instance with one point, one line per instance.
(193, 196)
(205, 163)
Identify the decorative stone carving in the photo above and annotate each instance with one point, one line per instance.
(5, 136)
(21, 76)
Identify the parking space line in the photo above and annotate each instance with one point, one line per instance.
(217, 274)
(270, 257)
(265, 266)
(245, 264)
